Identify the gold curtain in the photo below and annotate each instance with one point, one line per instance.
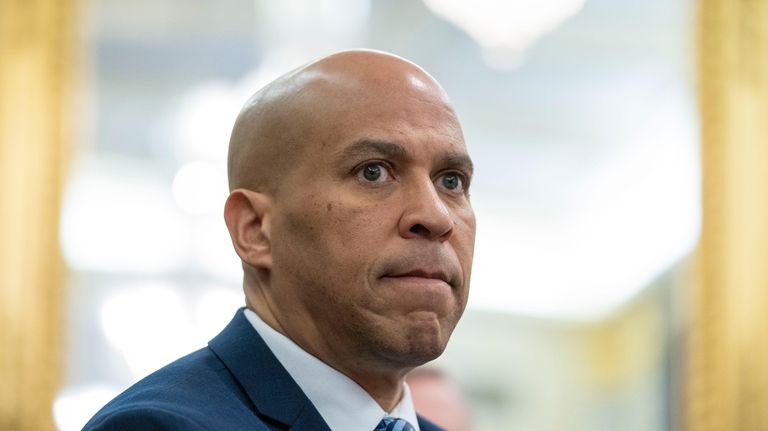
(727, 378)
(36, 59)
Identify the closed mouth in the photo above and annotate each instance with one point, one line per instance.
(422, 273)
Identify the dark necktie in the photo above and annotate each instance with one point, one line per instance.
(394, 424)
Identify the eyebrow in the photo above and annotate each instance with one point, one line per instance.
(367, 146)
(459, 160)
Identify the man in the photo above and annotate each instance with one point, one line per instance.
(349, 208)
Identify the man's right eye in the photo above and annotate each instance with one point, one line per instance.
(373, 172)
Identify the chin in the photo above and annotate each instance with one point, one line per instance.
(418, 355)
(425, 341)
(415, 339)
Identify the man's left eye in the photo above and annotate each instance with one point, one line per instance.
(452, 181)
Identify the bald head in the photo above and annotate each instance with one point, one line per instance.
(309, 105)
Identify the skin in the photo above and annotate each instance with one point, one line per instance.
(349, 208)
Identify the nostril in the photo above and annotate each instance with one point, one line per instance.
(418, 228)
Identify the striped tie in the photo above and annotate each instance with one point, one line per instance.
(394, 424)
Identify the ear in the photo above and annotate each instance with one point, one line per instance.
(248, 220)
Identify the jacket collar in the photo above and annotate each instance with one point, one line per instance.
(270, 388)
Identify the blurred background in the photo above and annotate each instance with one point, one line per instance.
(620, 275)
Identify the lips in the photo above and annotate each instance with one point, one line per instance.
(422, 278)
(423, 273)
(435, 267)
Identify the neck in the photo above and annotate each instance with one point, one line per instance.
(387, 392)
(386, 388)
(382, 381)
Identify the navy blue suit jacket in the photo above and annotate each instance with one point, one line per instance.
(235, 383)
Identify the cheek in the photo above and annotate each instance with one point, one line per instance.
(358, 229)
(464, 242)
(332, 237)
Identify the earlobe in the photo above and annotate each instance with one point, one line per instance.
(247, 216)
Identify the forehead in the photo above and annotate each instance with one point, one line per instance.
(416, 116)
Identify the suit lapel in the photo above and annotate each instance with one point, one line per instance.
(272, 390)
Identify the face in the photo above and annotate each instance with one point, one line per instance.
(372, 232)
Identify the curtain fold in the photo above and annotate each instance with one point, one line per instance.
(727, 360)
(36, 70)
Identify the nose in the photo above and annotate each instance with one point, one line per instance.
(425, 214)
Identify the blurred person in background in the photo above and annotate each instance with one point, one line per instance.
(349, 208)
(437, 397)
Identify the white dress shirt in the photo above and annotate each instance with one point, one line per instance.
(345, 407)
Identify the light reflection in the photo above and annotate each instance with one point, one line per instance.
(73, 407)
(199, 188)
(118, 216)
(586, 263)
(150, 324)
(332, 24)
(215, 308)
(212, 249)
(622, 222)
(505, 28)
(202, 122)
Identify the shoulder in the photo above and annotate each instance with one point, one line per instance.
(141, 417)
(195, 392)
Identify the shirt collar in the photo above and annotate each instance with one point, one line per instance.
(348, 406)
